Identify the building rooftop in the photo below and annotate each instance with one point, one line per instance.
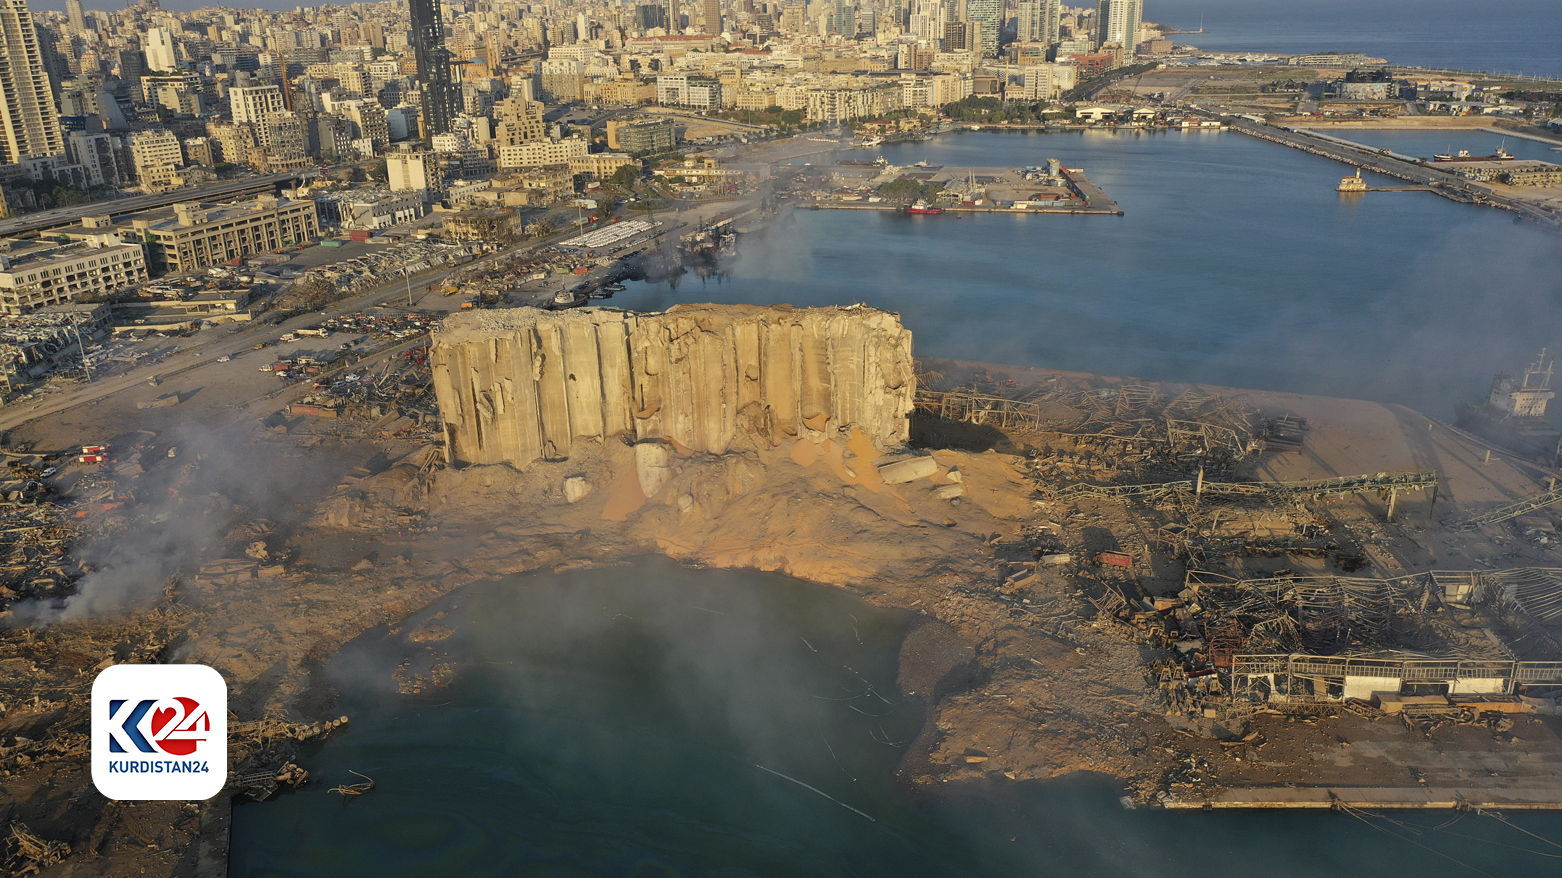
(17, 255)
(188, 214)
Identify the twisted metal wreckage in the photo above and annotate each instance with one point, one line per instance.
(1486, 636)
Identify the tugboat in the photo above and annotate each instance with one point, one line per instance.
(923, 208)
(1514, 413)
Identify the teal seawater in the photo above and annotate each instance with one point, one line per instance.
(612, 722)
(1236, 263)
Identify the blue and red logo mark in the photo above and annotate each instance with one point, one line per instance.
(177, 727)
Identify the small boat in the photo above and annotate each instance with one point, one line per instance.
(615, 288)
(921, 207)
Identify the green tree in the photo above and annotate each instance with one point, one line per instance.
(902, 189)
(625, 176)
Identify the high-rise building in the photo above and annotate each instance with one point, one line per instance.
(78, 19)
(1117, 21)
(674, 22)
(711, 15)
(650, 15)
(160, 54)
(441, 95)
(1036, 21)
(794, 17)
(840, 18)
(409, 168)
(957, 36)
(253, 103)
(989, 15)
(29, 122)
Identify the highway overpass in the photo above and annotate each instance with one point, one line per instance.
(32, 224)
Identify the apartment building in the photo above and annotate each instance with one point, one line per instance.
(412, 169)
(31, 124)
(156, 155)
(543, 152)
(642, 137)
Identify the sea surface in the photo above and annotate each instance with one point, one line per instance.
(660, 721)
(1514, 36)
(1235, 263)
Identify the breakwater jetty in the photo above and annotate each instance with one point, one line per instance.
(1378, 161)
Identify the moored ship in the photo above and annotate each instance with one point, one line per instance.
(1463, 155)
(1513, 414)
(922, 207)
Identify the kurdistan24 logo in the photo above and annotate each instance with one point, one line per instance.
(176, 727)
(159, 732)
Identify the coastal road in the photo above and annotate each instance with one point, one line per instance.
(205, 353)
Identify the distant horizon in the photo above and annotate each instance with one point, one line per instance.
(179, 5)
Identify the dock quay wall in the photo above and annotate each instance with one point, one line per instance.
(520, 385)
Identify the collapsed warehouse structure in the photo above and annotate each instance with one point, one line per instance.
(1431, 643)
(1334, 638)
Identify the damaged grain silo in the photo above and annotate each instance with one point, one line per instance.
(522, 384)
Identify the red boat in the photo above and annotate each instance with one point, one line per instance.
(921, 207)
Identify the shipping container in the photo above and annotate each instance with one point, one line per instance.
(1114, 559)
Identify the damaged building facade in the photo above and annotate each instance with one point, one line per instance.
(520, 385)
